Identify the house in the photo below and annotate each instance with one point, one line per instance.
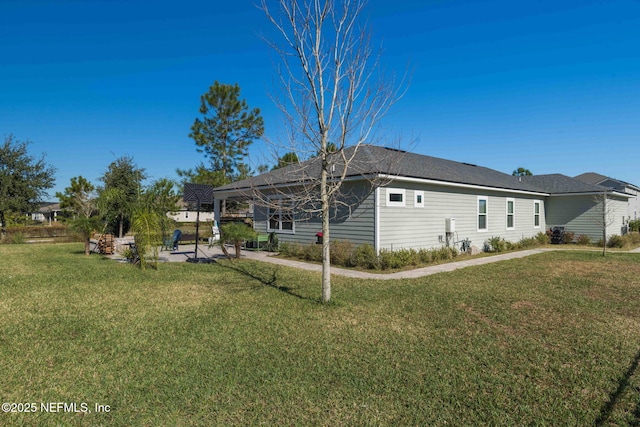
(47, 212)
(393, 199)
(617, 185)
(188, 213)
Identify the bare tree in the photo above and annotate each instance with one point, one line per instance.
(333, 97)
(606, 216)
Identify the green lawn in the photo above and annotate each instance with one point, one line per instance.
(552, 339)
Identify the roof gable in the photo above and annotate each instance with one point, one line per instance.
(605, 181)
(562, 184)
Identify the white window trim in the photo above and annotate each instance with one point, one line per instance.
(396, 191)
(486, 214)
(415, 199)
(512, 200)
(279, 213)
(539, 214)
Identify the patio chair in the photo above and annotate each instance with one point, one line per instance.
(175, 239)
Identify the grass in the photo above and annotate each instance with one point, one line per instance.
(552, 339)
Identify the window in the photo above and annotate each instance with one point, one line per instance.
(280, 216)
(395, 197)
(482, 213)
(419, 199)
(536, 214)
(511, 203)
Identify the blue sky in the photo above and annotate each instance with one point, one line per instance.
(553, 86)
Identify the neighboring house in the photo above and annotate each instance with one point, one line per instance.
(406, 200)
(47, 212)
(619, 186)
(187, 213)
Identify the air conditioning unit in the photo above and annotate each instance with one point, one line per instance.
(450, 225)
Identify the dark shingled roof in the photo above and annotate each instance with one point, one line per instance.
(605, 181)
(591, 177)
(561, 184)
(373, 160)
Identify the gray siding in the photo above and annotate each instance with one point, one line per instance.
(421, 227)
(357, 226)
(583, 215)
(634, 203)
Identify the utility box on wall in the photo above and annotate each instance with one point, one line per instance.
(450, 225)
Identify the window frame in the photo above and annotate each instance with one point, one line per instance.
(400, 191)
(536, 216)
(278, 214)
(416, 194)
(485, 214)
(512, 214)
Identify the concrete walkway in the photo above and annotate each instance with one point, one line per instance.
(187, 251)
(407, 274)
(214, 253)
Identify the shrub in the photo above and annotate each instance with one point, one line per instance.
(445, 253)
(615, 241)
(495, 244)
(293, 250)
(18, 239)
(273, 244)
(128, 254)
(365, 256)
(568, 237)
(341, 253)
(634, 225)
(583, 239)
(527, 242)
(542, 238)
(312, 252)
(36, 232)
(426, 256)
(410, 257)
(394, 259)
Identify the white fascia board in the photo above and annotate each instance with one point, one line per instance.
(459, 185)
(594, 193)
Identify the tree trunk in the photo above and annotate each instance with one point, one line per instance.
(121, 227)
(224, 249)
(326, 254)
(87, 246)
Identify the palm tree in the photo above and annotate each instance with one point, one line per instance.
(236, 233)
(148, 235)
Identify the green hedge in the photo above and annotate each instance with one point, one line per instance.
(19, 234)
(346, 254)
